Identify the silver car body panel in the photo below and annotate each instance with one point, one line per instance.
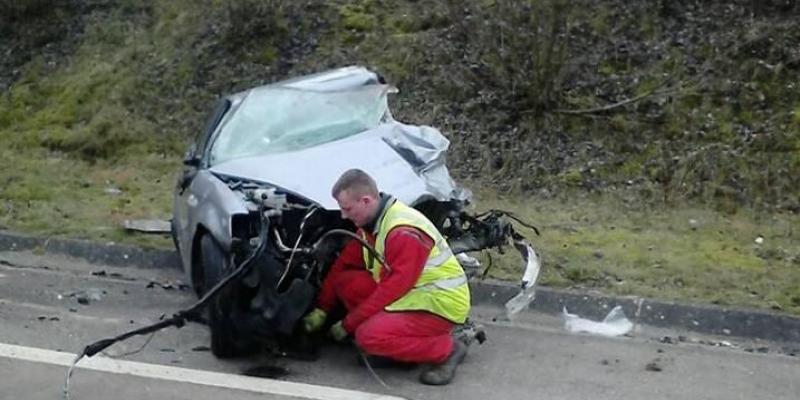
(406, 161)
(209, 203)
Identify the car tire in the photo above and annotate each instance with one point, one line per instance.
(226, 342)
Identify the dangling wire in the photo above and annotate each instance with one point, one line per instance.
(179, 318)
(296, 244)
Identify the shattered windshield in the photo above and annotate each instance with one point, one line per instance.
(274, 120)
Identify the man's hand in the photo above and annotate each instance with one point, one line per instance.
(314, 320)
(337, 332)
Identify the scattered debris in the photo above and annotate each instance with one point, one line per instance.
(614, 324)
(112, 191)
(147, 225)
(528, 292)
(467, 261)
(654, 366)
(168, 285)
(667, 340)
(85, 296)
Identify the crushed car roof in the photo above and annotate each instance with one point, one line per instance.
(405, 160)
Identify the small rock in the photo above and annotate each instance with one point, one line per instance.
(654, 366)
(660, 351)
(693, 224)
(112, 191)
(763, 350)
(598, 254)
(55, 319)
(41, 318)
(167, 350)
(201, 348)
(102, 272)
(73, 310)
(604, 362)
(83, 299)
(759, 240)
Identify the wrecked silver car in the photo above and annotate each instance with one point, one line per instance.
(259, 177)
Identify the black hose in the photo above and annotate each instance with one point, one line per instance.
(363, 242)
(179, 318)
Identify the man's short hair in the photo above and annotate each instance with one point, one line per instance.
(358, 182)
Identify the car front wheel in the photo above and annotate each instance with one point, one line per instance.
(226, 342)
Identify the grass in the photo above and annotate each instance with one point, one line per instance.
(47, 194)
(683, 253)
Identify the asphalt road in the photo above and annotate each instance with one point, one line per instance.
(42, 322)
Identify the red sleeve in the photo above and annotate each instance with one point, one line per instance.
(350, 258)
(406, 252)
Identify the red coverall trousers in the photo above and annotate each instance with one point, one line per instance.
(408, 336)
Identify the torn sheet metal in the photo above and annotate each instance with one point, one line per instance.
(614, 324)
(527, 294)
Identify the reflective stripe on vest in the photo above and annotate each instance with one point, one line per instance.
(442, 287)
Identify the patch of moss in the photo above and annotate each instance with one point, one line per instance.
(358, 17)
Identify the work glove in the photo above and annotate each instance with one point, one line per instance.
(337, 332)
(314, 320)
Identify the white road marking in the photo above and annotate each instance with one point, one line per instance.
(185, 375)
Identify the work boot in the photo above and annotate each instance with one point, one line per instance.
(444, 373)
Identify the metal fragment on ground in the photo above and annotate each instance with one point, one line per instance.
(147, 225)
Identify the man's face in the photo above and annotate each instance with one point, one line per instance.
(359, 209)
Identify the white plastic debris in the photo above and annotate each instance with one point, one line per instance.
(614, 324)
(759, 240)
(524, 298)
(147, 225)
(467, 261)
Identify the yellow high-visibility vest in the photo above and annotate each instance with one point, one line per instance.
(442, 287)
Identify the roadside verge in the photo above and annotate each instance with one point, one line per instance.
(708, 319)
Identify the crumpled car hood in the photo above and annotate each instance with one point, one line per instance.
(405, 160)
